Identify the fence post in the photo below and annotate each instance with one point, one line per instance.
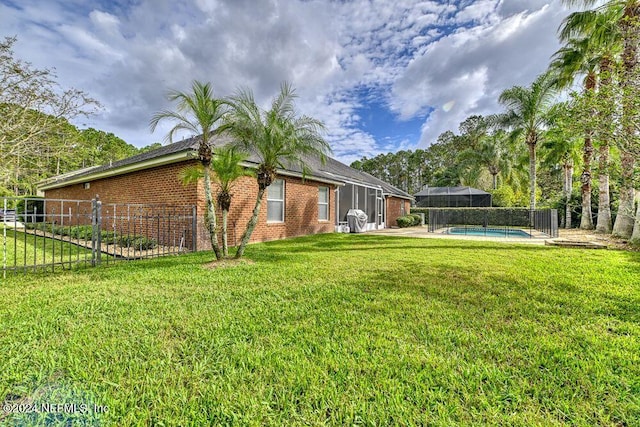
(194, 229)
(96, 235)
(4, 240)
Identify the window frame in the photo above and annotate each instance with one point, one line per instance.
(321, 203)
(281, 201)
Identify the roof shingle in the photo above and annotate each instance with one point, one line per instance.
(332, 169)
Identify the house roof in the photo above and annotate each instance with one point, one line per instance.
(450, 191)
(331, 171)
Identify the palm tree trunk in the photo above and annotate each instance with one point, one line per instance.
(604, 203)
(225, 247)
(603, 224)
(251, 225)
(623, 226)
(568, 175)
(532, 176)
(635, 236)
(210, 215)
(586, 222)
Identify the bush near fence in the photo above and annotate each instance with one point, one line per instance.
(410, 220)
(85, 232)
(424, 211)
(514, 217)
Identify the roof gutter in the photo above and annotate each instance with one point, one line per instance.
(292, 174)
(308, 177)
(398, 196)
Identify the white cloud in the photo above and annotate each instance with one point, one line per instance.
(106, 22)
(470, 67)
(415, 56)
(477, 11)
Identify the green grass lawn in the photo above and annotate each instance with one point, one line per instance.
(25, 250)
(333, 329)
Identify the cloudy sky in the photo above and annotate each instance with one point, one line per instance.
(383, 75)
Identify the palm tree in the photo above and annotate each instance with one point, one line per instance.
(278, 137)
(526, 117)
(577, 58)
(200, 113)
(490, 153)
(592, 43)
(624, 17)
(562, 148)
(227, 167)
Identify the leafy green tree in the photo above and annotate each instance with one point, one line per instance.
(34, 110)
(278, 137)
(442, 158)
(526, 118)
(100, 148)
(473, 130)
(200, 113)
(150, 147)
(228, 168)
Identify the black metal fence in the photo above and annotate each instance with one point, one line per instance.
(494, 221)
(45, 234)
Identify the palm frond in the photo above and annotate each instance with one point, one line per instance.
(191, 174)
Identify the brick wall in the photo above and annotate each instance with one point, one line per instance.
(167, 222)
(162, 185)
(396, 208)
(300, 217)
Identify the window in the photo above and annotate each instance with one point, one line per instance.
(275, 201)
(323, 203)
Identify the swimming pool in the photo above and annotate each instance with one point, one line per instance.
(488, 232)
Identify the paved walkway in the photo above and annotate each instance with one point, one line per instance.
(423, 233)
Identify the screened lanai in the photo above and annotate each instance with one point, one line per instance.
(368, 199)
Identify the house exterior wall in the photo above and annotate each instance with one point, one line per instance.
(159, 185)
(396, 208)
(162, 186)
(300, 217)
(128, 204)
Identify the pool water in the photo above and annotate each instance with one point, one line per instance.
(488, 232)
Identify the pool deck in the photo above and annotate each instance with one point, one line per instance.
(423, 233)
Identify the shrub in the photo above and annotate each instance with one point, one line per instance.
(42, 226)
(108, 237)
(405, 221)
(425, 211)
(137, 242)
(82, 232)
(417, 218)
